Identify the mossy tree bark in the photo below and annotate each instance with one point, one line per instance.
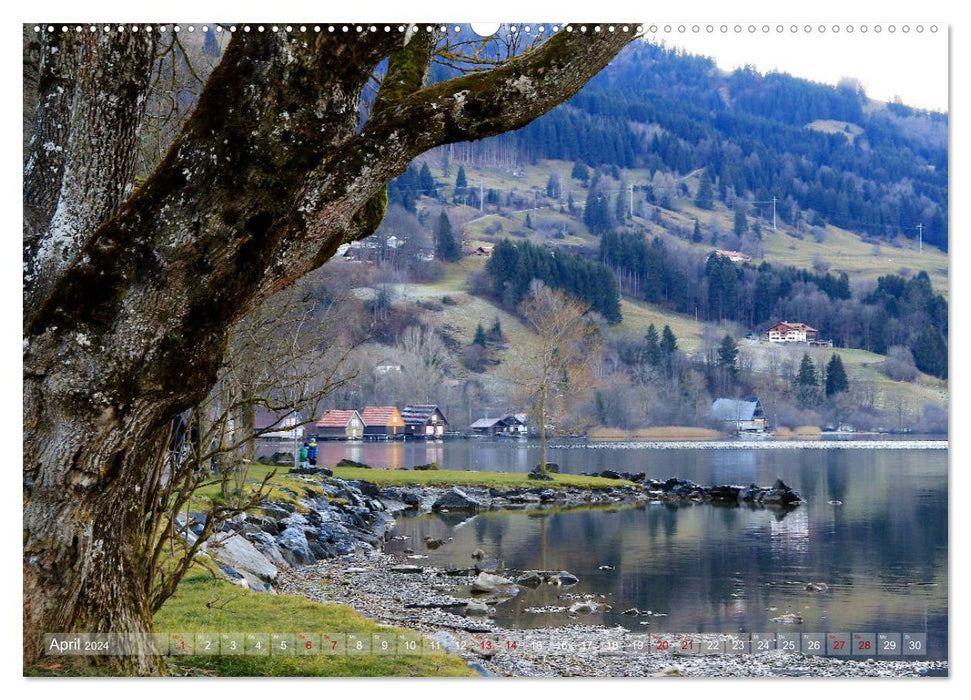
(129, 295)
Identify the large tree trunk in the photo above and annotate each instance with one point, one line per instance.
(126, 325)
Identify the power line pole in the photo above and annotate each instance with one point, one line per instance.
(920, 237)
(773, 215)
(481, 194)
(632, 201)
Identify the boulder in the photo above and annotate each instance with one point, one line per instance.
(493, 566)
(491, 583)
(266, 545)
(352, 463)
(431, 466)
(539, 476)
(530, 579)
(476, 608)
(525, 498)
(294, 546)
(561, 578)
(317, 471)
(457, 499)
(583, 607)
(274, 510)
(297, 520)
(724, 493)
(551, 468)
(237, 552)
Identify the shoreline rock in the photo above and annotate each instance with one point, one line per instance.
(356, 515)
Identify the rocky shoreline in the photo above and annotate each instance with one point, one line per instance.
(426, 600)
(326, 544)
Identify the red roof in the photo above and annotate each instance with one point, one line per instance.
(381, 415)
(785, 325)
(335, 418)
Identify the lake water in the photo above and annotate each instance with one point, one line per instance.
(883, 552)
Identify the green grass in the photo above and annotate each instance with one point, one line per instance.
(400, 477)
(203, 604)
(843, 250)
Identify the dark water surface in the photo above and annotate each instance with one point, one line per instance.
(883, 552)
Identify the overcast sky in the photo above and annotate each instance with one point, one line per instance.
(911, 65)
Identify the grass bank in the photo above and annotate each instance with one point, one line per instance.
(445, 477)
(203, 604)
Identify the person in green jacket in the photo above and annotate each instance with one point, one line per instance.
(303, 455)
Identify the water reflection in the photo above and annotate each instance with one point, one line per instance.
(883, 552)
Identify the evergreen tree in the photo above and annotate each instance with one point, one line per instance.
(460, 180)
(426, 183)
(930, 353)
(495, 334)
(553, 188)
(480, 336)
(728, 355)
(696, 236)
(705, 198)
(807, 394)
(446, 247)
(652, 347)
(836, 380)
(621, 205)
(741, 223)
(529, 221)
(570, 204)
(669, 343)
(580, 172)
(596, 213)
(807, 372)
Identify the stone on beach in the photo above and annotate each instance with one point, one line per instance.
(457, 499)
(491, 583)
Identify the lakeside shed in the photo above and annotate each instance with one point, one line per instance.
(740, 415)
(339, 424)
(382, 422)
(508, 424)
(424, 420)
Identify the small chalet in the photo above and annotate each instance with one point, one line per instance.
(340, 425)
(382, 422)
(736, 256)
(424, 421)
(509, 424)
(277, 426)
(786, 332)
(740, 415)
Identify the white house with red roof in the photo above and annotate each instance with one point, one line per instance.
(786, 332)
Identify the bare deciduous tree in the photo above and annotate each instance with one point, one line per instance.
(559, 365)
